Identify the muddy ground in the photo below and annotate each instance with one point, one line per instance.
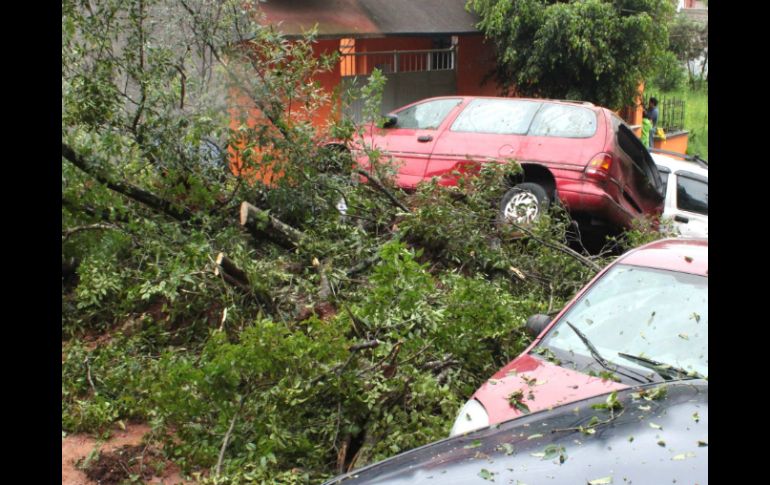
(117, 460)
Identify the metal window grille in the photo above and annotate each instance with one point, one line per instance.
(399, 61)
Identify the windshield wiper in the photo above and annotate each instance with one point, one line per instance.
(598, 357)
(666, 371)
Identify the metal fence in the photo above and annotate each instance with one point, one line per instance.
(671, 113)
(363, 63)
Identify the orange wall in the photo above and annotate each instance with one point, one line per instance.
(675, 143)
(475, 59)
(328, 80)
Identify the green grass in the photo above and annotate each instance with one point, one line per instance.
(696, 117)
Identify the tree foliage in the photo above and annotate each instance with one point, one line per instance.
(592, 50)
(688, 41)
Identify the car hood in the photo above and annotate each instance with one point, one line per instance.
(543, 384)
(664, 440)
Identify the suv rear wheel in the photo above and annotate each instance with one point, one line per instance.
(524, 204)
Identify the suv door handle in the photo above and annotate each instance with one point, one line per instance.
(679, 218)
(424, 138)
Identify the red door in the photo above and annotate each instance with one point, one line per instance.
(409, 144)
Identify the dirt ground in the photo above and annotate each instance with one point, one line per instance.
(118, 456)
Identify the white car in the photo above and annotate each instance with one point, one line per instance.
(686, 185)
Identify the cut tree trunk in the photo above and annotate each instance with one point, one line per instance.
(260, 223)
(231, 273)
(235, 276)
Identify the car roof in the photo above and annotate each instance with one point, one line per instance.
(685, 255)
(675, 165)
(584, 104)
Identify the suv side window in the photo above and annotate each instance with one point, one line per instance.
(564, 121)
(426, 116)
(496, 116)
(692, 193)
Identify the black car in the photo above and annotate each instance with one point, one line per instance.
(654, 434)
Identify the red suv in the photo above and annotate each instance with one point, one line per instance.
(584, 156)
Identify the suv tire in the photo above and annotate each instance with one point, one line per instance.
(527, 201)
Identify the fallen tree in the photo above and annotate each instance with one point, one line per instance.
(237, 352)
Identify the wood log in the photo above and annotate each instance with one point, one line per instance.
(233, 275)
(226, 266)
(259, 222)
(370, 344)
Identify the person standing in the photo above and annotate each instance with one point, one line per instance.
(652, 113)
(646, 135)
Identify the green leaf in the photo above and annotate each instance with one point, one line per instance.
(683, 456)
(507, 448)
(601, 481)
(487, 475)
(515, 399)
(473, 444)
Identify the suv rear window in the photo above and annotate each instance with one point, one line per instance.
(496, 116)
(639, 156)
(564, 121)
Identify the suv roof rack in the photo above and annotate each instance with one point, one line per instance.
(573, 101)
(690, 158)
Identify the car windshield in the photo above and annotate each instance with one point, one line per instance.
(650, 313)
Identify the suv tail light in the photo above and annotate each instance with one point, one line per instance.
(599, 166)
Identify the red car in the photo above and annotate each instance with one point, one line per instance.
(644, 318)
(584, 156)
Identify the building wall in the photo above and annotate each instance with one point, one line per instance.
(475, 61)
(328, 80)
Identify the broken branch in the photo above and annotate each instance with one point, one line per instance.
(131, 191)
(559, 247)
(381, 187)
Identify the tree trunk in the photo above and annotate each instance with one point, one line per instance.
(260, 222)
(235, 276)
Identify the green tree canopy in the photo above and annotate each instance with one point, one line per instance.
(593, 50)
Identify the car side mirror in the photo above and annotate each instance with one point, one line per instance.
(390, 121)
(536, 324)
